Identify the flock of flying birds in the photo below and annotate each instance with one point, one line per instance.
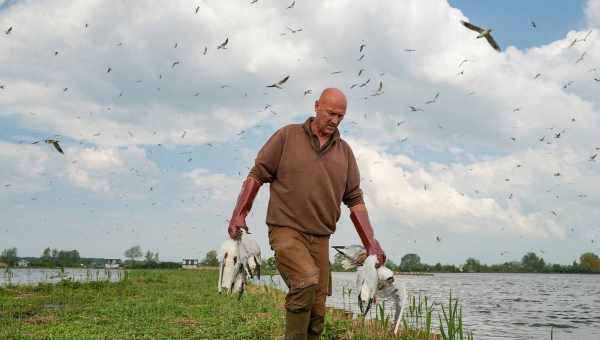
(485, 33)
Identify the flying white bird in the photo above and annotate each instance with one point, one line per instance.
(53, 142)
(483, 33)
(279, 83)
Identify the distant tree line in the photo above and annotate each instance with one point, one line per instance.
(150, 260)
(530, 263)
(55, 258)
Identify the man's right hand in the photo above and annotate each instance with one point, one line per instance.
(236, 225)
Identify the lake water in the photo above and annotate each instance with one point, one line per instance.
(33, 276)
(501, 306)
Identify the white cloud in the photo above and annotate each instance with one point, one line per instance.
(486, 121)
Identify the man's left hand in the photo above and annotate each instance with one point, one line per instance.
(375, 249)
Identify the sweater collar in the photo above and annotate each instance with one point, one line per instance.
(314, 139)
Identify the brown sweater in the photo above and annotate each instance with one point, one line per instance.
(308, 182)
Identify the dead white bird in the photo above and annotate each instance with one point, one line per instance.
(373, 283)
(231, 273)
(366, 282)
(250, 255)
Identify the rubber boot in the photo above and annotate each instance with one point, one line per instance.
(297, 316)
(315, 327)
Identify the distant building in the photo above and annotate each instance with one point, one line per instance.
(189, 263)
(22, 263)
(112, 263)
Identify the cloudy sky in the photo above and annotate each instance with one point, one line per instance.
(155, 150)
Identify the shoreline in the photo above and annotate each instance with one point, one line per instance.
(165, 304)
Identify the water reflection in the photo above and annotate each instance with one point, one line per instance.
(499, 306)
(34, 276)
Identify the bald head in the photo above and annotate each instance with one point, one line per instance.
(333, 96)
(330, 110)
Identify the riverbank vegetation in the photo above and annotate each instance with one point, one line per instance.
(136, 259)
(185, 304)
(530, 263)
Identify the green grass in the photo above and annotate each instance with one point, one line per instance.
(147, 304)
(167, 304)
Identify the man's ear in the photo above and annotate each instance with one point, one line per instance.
(316, 105)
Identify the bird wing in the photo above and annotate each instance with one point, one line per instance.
(257, 260)
(492, 42)
(283, 80)
(380, 86)
(354, 255)
(220, 288)
(471, 26)
(402, 308)
(370, 281)
(57, 147)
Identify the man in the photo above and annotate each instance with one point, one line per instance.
(311, 170)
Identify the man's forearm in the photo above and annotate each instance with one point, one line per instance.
(358, 207)
(360, 218)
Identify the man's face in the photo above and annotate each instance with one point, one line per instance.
(329, 115)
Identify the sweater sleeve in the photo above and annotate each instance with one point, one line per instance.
(353, 194)
(267, 161)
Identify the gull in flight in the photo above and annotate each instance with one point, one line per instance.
(483, 33)
(580, 58)
(53, 142)
(379, 89)
(223, 45)
(8, 30)
(279, 83)
(434, 99)
(363, 84)
(291, 5)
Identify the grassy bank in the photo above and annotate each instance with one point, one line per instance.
(168, 304)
